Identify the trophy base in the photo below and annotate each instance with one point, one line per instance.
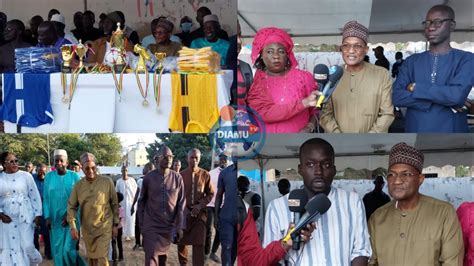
(65, 69)
(119, 68)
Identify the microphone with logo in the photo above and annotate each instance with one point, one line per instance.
(320, 74)
(335, 74)
(317, 206)
(296, 203)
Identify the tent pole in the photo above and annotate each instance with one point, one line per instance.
(85, 5)
(246, 21)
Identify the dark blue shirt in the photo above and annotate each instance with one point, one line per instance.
(228, 182)
(443, 83)
(39, 184)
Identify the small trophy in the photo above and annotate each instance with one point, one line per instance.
(118, 41)
(81, 51)
(67, 53)
(141, 68)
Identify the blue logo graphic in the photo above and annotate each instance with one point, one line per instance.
(240, 133)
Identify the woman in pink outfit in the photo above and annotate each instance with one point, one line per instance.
(281, 94)
(466, 219)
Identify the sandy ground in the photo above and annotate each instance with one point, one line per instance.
(137, 257)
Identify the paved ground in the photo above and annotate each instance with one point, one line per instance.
(137, 257)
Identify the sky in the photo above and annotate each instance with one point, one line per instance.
(129, 139)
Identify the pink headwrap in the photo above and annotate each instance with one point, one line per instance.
(266, 36)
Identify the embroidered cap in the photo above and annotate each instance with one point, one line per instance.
(60, 152)
(405, 154)
(355, 29)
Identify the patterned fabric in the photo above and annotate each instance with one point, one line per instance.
(355, 29)
(341, 234)
(270, 35)
(405, 154)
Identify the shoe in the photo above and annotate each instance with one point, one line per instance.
(214, 257)
(136, 247)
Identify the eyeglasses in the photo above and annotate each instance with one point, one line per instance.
(436, 23)
(12, 161)
(347, 47)
(403, 176)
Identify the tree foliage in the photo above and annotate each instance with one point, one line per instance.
(34, 147)
(180, 144)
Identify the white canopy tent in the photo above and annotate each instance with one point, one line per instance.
(368, 151)
(320, 21)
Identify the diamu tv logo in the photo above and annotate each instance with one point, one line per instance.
(240, 132)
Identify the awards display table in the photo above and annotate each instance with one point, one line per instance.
(98, 107)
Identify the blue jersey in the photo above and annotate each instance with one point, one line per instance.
(27, 99)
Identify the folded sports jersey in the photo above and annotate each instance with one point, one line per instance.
(26, 99)
(195, 108)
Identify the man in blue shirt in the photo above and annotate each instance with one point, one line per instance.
(41, 170)
(226, 217)
(48, 37)
(434, 85)
(211, 39)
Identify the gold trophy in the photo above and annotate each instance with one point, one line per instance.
(118, 41)
(141, 68)
(157, 78)
(67, 53)
(81, 51)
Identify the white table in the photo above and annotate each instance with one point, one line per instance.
(97, 107)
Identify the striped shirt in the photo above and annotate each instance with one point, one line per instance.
(340, 236)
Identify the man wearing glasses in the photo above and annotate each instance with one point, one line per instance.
(434, 85)
(361, 102)
(160, 208)
(413, 229)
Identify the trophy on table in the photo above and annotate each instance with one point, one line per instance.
(157, 78)
(81, 51)
(67, 54)
(141, 68)
(117, 42)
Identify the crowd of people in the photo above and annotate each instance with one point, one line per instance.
(409, 229)
(432, 86)
(51, 33)
(172, 206)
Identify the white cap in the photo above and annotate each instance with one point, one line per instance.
(58, 18)
(60, 152)
(211, 17)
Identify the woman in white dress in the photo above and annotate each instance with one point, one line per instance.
(20, 208)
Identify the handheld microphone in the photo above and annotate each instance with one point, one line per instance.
(320, 74)
(297, 200)
(318, 205)
(335, 74)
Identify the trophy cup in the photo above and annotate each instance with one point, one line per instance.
(67, 53)
(81, 51)
(141, 68)
(118, 41)
(157, 78)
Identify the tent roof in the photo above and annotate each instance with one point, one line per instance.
(280, 146)
(327, 17)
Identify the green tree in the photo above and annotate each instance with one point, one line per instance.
(34, 147)
(107, 148)
(27, 147)
(180, 144)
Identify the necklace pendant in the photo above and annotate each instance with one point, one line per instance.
(145, 103)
